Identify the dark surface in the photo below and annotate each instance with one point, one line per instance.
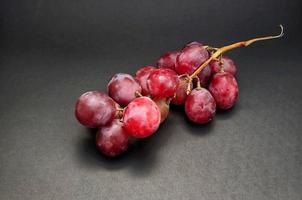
(52, 51)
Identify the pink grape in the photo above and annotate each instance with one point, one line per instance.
(122, 88)
(190, 58)
(141, 117)
(141, 77)
(162, 83)
(224, 89)
(94, 109)
(168, 60)
(200, 106)
(227, 65)
(112, 139)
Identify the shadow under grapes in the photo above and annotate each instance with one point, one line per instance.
(140, 158)
(193, 128)
(228, 114)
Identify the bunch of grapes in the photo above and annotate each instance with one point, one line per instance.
(197, 76)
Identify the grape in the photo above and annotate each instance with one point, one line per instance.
(200, 106)
(224, 89)
(227, 65)
(192, 43)
(163, 107)
(141, 77)
(162, 83)
(205, 75)
(191, 57)
(181, 91)
(94, 109)
(141, 117)
(122, 88)
(112, 139)
(168, 60)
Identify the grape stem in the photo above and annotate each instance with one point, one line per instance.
(138, 94)
(220, 51)
(198, 87)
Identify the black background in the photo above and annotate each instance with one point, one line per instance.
(53, 51)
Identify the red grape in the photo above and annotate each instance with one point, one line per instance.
(141, 77)
(181, 91)
(94, 109)
(122, 88)
(141, 117)
(168, 60)
(227, 65)
(200, 106)
(192, 43)
(205, 75)
(162, 83)
(224, 89)
(112, 139)
(191, 57)
(163, 107)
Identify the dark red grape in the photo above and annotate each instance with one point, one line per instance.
(200, 106)
(224, 89)
(141, 117)
(141, 77)
(227, 65)
(112, 139)
(192, 43)
(162, 83)
(94, 109)
(163, 107)
(168, 60)
(122, 88)
(181, 91)
(205, 75)
(190, 58)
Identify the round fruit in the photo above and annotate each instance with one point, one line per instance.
(163, 107)
(224, 89)
(192, 43)
(200, 106)
(94, 109)
(227, 65)
(168, 60)
(181, 91)
(141, 117)
(205, 75)
(141, 77)
(162, 83)
(191, 57)
(122, 88)
(112, 139)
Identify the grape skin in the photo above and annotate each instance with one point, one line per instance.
(141, 117)
(163, 107)
(224, 89)
(94, 109)
(162, 83)
(141, 77)
(191, 57)
(112, 139)
(200, 106)
(227, 65)
(122, 88)
(181, 91)
(168, 60)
